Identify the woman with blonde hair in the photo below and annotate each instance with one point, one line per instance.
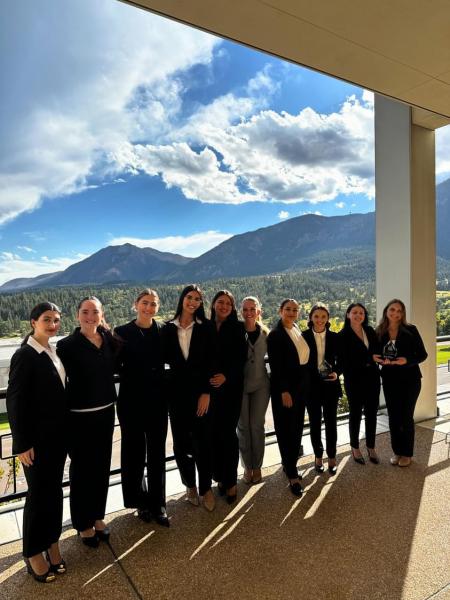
(402, 351)
(256, 394)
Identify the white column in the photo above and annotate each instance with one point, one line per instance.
(406, 229)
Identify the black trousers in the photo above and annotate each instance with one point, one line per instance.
(42, 515)
(289, 423)
(90, 462)
(401, 397)
(144, 443)
(226, 409)
(323, 400)
(363, 394)
(191, 440)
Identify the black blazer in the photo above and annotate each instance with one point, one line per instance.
(35, 400)
(231, 353)
(409, 345)
(191, 375)
(285, 369)
(89, 370)
(331, 356)
(354, 359)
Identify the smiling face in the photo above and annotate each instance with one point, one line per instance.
(394, 313)
(356, 316)
(223, 307)
(289, 313)
(319, 320)
(146, 308)
(90, 315)
(191, 302)
(250, 312)
(47, 325)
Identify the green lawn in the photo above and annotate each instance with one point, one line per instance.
(443, 355)
(4, 421)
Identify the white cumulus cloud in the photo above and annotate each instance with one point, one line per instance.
(12, 266)
(283, 214)
(189, 245)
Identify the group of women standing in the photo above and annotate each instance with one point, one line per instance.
(216, 392)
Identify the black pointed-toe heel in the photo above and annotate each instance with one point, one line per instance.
(373, 456)
(45, 578)
(91, 541)
(103, 534)
(60, 568)
(162, 519)
(332, 470)
(319, 468)
(358, 459)
(296, 489)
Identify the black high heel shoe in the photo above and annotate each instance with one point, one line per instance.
(91, 541)
(60, 568)
(373, 456)
(103, 534)
(45, 578)
(296, 488)
(319, 468)
(358, 459)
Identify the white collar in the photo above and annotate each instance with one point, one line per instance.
(37, 346)
(177, 323)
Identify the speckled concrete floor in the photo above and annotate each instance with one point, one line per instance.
(372, 532)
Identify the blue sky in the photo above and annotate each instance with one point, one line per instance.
(118, 125)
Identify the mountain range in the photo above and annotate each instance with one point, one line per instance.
(338, 247)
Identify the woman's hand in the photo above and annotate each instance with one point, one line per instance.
(379, 359)
(286, 399)
(332, 377)
(401, 360)
(27, 457)
(202, 405)
(217, 380)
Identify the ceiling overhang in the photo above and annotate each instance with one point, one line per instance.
(397, 48)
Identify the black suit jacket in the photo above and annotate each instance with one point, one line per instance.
(35, 400)
(189, 375)
(284, 364)
(354, 359)
(331, 356)
(231, 354)
(409, 345)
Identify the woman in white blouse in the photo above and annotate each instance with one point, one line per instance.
(37, 412)
(289, 385)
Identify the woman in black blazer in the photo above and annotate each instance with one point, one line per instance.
(37, 412)
(358, 344)
(289, 386)
(402, 352)
(142, 411)
(226, 397)
(325, 386)
(188, 349)
(88, 355)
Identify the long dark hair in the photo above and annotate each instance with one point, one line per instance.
(349, 308)
(200, 312)
(36, 312)
(318, 306)
(233, 315)
(383, 325)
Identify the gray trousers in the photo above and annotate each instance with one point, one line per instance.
(250, 429)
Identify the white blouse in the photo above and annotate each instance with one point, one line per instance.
(302, 346)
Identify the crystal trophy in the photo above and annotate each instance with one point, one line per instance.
(390, 351)
(325, 370)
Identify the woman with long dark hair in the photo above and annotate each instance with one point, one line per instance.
(325, 386)
(89, 355)
(358, 344)
(402, 352)
(142, 411)
(188, 349)
(256, 394)
(37, 413)
(289, 386)
(226, 398)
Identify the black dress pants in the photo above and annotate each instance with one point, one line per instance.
(401, 397)
(289, 423)
(90, 463)
(323, 400)
(363, 393)
(191, 441)
(42, 515)
(226, 409)
(144, 442)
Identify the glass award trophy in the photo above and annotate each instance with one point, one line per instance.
(390, 350)
(325, 370)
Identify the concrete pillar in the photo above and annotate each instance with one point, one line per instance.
(406, 229)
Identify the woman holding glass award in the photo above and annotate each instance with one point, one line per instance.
(358, 343)
(325, 387)
(402, 352)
